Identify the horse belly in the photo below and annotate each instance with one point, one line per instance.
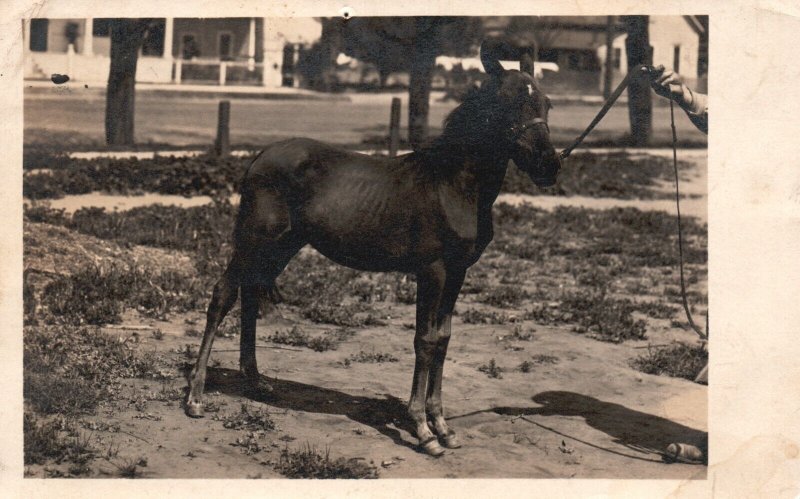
(367, 232)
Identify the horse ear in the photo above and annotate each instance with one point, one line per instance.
(526, 63)
(489, 57)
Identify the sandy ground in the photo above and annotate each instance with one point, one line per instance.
(586, 414)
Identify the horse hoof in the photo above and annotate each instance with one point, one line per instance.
(195, 410)
(432, 448)
(451, 441)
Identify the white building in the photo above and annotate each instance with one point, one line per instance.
(675, 43)
(226, 51)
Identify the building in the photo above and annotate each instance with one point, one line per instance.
(224, 51)
(577, 44)
(675, 42)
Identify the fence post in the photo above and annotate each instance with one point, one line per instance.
(222, 146)
(223, 69)
(394, 127)
(178, 70)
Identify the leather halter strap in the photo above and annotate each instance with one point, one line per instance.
(517, 130)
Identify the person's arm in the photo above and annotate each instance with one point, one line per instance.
(669, 84)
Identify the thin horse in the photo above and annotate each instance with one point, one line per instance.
(428, 213)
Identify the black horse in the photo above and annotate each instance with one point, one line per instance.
(428, 213)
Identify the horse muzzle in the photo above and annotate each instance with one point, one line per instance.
(546, 172)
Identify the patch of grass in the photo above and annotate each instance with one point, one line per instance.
(492, 369)
(200, 175)
(679, 360)
(616, 175)
(297, 337)
(248, 418)
(626, 238)
(308, 462)
(656, 310)
(340, 315)
(70, 371)
(371, 358)
(129, 468)
(505, 296)
(474, 316)
(596, 314)
(45, 442)
(545, 359)
(97, 295)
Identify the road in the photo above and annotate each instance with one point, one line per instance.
(192, 121)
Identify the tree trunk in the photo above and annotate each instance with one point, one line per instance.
(127, 36)
(424, 48)
(330, 44)
(640, 105)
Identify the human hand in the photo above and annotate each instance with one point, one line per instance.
(667, 83)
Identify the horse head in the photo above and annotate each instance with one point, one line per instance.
(522, 110)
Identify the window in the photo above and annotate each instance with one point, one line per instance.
(582, 60)
(101, 27)
(189, 48)
(617, 58)
(38, 41)
(225, 45)
(676, 59)
(548, 55)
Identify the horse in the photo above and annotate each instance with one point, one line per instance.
(428, 212)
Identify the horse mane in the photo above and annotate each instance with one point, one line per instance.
(466, 125)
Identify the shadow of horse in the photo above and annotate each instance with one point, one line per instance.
(388, 415)
(636, 430)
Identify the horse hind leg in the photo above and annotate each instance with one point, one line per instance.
(264, 234)
(223, 299)
(258, 286)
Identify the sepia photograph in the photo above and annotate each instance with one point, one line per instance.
(359, 247)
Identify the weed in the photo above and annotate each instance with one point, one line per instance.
(545, 359)
(525, 367)
(97, 295)
(505, 296)
(43, 441)
(372, 357)
(310, 463)
(295, 337)
(656, 310)
(679, 360)
(598, 315)
(322, 344)
(71, 371)
(491, 369)
(473, 316)
(248, 418)
(193, 332)
(130, 467)
(633, 178)
(158, 334)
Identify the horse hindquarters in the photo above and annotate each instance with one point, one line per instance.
(264, 243)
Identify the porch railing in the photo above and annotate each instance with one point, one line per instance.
(219, 72)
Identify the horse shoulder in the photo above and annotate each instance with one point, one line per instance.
(459, 205)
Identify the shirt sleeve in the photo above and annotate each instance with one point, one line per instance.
(697, 111)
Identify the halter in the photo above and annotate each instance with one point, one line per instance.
(517, 130)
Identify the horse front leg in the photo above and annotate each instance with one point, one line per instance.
(453, 283)
(430, 286)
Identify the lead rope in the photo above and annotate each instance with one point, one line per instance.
(606, 106)
(703, 336)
